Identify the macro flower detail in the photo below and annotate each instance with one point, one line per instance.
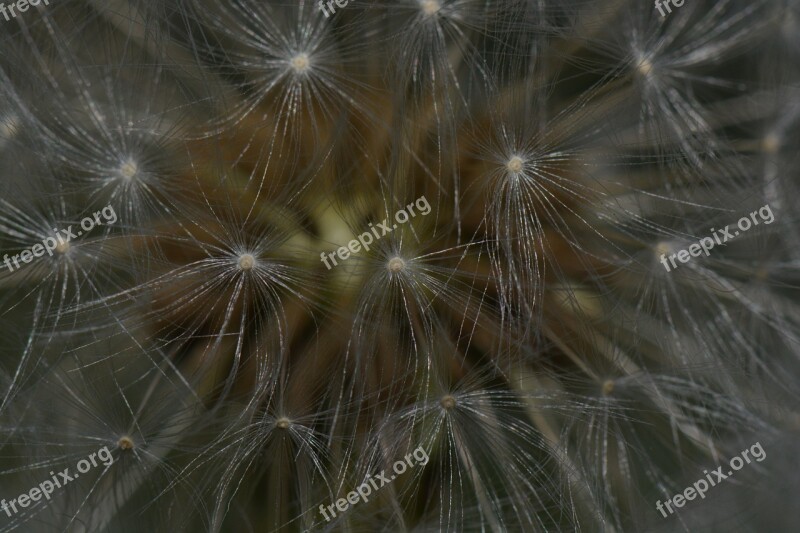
(412, 265)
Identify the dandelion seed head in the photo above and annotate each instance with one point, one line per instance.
(448, 402)
(128, 169)
(516, 309)
(395, 264)
(645, 67)
(246, 262)
(300, 63)
(663, 248)
(430, 7)
(62, 248)
(515, 164)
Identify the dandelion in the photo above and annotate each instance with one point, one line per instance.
(268, 330)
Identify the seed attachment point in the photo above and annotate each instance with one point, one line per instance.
(430, 7)
(448, 402)
(663, 248)
(283, 423)
(246, 262)
(128, 170)
(645, 67)
(300, 63)
(125, 443)
(62, 248)
(395, 264)
(515, 164)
